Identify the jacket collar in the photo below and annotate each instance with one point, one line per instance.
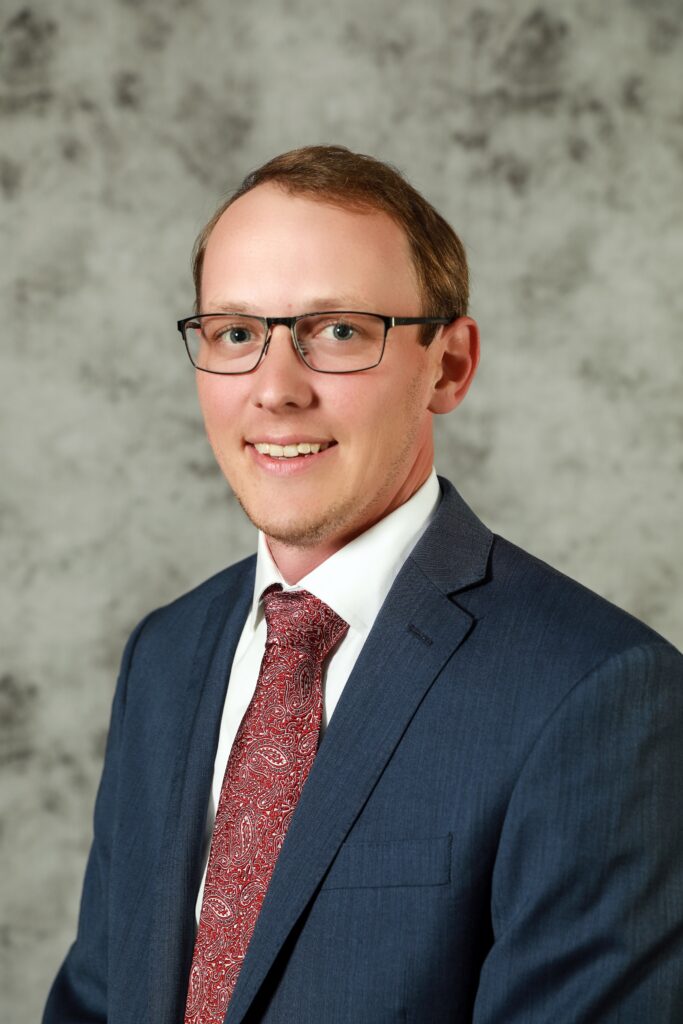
(454, 552)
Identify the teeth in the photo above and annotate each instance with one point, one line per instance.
(290, 451)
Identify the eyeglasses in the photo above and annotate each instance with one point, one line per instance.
(337, 341)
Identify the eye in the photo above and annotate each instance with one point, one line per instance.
(343, 331)
(230, 333)
(236, 335)
(339, 330)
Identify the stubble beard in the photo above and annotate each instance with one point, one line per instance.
(345, 518)
(305, 534)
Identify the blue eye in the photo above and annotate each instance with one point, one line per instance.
(333, 330)
(342, 331)
(237, 335)
(233, 334)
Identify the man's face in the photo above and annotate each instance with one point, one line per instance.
(273, 254)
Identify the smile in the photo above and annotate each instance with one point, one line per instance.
(291, 451)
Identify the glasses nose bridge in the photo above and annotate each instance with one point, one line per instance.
(281, 321)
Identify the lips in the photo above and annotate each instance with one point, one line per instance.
(293, 450)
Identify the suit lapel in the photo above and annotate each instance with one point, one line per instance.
(173, 924)
(417, 631)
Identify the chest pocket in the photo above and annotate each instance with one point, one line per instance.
(403, 862)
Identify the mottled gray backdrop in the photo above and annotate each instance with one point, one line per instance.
(549, 133)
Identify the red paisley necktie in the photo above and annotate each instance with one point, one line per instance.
(268, 765)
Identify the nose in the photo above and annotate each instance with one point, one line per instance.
(282, 379)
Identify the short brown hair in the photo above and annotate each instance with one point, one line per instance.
(335, 174)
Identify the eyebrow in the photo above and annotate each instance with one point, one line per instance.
(313, 305)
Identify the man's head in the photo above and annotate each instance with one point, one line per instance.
(276, 251)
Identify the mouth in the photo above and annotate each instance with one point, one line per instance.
(300, 449)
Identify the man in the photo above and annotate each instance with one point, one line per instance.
(489, 830)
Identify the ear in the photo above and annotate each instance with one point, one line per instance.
(457, 361)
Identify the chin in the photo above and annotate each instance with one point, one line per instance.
(296, 535)
(329, 525)
(294, 532)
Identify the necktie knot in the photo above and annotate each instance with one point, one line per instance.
(298, 620)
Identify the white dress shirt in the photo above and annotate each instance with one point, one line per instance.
(354, 582)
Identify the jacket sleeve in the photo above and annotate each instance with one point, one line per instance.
(79, 992)
(587, 891)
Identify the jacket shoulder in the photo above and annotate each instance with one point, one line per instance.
(527, 605)
(181, 620)
(560, 613)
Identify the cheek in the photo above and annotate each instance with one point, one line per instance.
(360, 413)
(373, 424)
(215, 401)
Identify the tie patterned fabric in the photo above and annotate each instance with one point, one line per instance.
(268, 765)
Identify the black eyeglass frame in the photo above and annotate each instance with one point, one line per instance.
(291, 321)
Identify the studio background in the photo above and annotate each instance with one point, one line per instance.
(549, 134)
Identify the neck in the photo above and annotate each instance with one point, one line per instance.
(295, 562)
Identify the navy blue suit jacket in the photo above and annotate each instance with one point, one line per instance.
(492, 830)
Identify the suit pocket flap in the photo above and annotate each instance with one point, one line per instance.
(401, 862)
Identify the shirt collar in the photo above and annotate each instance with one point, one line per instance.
(355, 580)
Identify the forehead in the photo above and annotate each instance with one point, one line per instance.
(273, 247)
